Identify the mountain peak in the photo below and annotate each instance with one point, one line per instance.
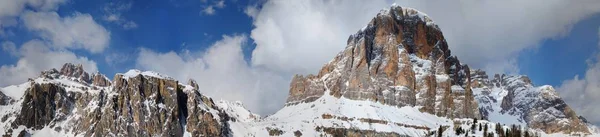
(72, 70)
(401, 59)
(135, 72)
(69, 71)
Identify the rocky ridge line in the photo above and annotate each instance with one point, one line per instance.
(133, 104)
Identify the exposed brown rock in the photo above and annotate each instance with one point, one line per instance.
(76, 71)
(304, 89)
(380, 64)
(100, 80)
(136, 106)
(43, 101)
(274, 131)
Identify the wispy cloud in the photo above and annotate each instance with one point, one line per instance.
(79, 31)
(210, 7)
(10, 48)
(209, 10)
(113, 13)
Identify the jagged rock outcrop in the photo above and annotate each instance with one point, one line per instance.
(400, 58)
(193, 83)
(134, 104)
(75, 71)
(100, 80)
(516, 96)
(45, 102)
(4, 100)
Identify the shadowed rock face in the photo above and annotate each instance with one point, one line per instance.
(42, 109)
(400, 58)
(4, 100)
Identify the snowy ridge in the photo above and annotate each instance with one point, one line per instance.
(332, 112)
(514, 100)
(67, 122)
(236, 109)
(134, 72)
(15, 91)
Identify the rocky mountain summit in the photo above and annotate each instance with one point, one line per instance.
(70, 102)
(515, 100)
(395, 77)
(401, 59)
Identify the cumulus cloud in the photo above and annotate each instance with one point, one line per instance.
(15, 7)
(36, 56)
(300, 36)
(113, 13)
(57, 36)
(582, 93)
(10, 9)
(78, 31)
(222, 73)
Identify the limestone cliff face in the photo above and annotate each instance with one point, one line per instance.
(400, 58)
(516, 96)
(135, 105)
(100, 80)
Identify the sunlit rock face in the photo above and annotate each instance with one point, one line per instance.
(400, 58)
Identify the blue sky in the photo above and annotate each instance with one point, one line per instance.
(562, 58)
(240, 50)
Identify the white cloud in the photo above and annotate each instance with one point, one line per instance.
(78, 31)
(300, 36)
(10, 9)
(209, 10)
(113, 13)
(251, 11)
(220, 4)
(130, 25)
(34, 57)
(58, 34)
(222, 73)
(582, 94)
